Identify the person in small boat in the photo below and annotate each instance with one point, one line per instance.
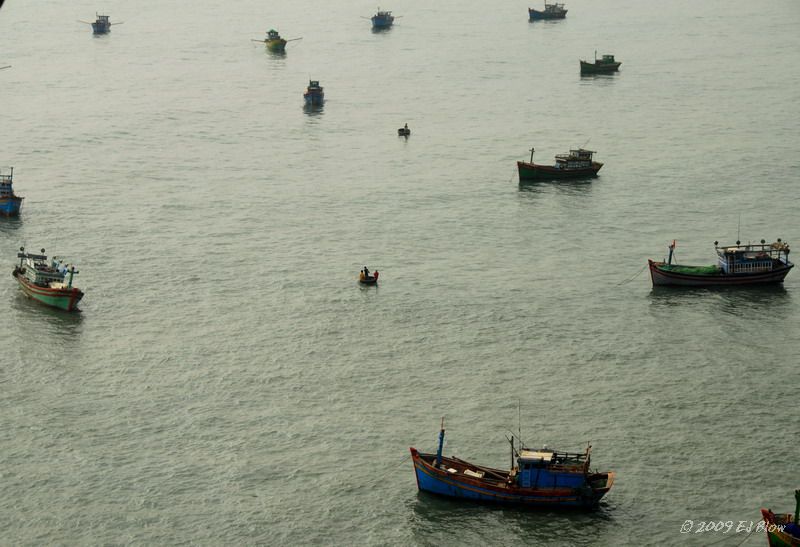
(366, 272)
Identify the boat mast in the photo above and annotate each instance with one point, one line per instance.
(71, 273)
(441, 444)
(671, 250)
(532, 149)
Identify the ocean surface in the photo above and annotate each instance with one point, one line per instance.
(228, 382)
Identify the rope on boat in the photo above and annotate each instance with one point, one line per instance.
(634, 277)
(392, 468)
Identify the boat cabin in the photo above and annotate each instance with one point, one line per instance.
(554, 8)
(607, 59)
(752, 258)
(549, 469)
(576, 159)
(6, 179)
(273, 34)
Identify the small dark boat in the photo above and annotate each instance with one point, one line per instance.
(102, 24)
(382, 19)
(783, 530)
(751, 264)
(577, 164)
(314, 95)
(537, 478)
(404, 131)
(551, 11)
(603, 65)
(365, 278)
(10, 203)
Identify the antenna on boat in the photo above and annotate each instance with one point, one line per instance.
(519, 420)
(738, 228)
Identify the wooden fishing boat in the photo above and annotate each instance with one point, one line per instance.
(382, 19)
(101, 24)
(537, 478)
(783, 530)
(751, 264)
(314, 95)
(274, 42)
(604, 65)
(577, 164)
(551, 11)
(365, 278)
(10, 203)
(48, 282)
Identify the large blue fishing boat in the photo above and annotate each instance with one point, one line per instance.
(537, 478)
(10, 203)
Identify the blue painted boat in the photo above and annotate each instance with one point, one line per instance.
(10, 203)
(101, 24)
(382, 19)
(551, 11)
(538, 478)
(314, 95)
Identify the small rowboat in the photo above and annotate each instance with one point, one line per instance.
(365, 278)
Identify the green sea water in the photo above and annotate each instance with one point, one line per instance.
(228, 382)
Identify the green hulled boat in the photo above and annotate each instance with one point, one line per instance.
(274, 42)
(48, 282)
(783, 530)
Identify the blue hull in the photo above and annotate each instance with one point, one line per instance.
(314, 100)
(100, 29)
(541, 16)
(10, 207)
(381, 23)
(440, 482)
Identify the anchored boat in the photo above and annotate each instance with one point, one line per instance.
(577, 164)
(382, 19)
(314, 95)
(537, 478)
(10, 203)
(48, 282)
(274, 42)
(604, 65)
(783, 530)
(750, 264)
(101, 24)
(551, 11)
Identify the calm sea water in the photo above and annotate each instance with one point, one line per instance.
(229, 383)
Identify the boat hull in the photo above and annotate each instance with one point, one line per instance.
(314, 99)
(662, 277)
(534, 171)
(10, 207)
(438, 481)
(592, 68)
(382, 22)
(776, 529)
(276, 46)
(100, 28)
(65, 299)
(536, 15)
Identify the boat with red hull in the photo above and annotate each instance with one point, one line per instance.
(783, 530)
(750, 264)
(48, 282)
(540, 478)
(575, 165)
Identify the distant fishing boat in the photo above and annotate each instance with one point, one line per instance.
(782, 529)
(404, 131)
(537, 478)
(10, 203)
(551, 11)
(577, 164)
(382, 19)
(366, 278)
(751, 264)
(48, 282)
(603, 65)
(274, 42)
(101, 25)
(314, 95)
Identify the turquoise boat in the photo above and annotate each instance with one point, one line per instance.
(49, 282)
(10, 203)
